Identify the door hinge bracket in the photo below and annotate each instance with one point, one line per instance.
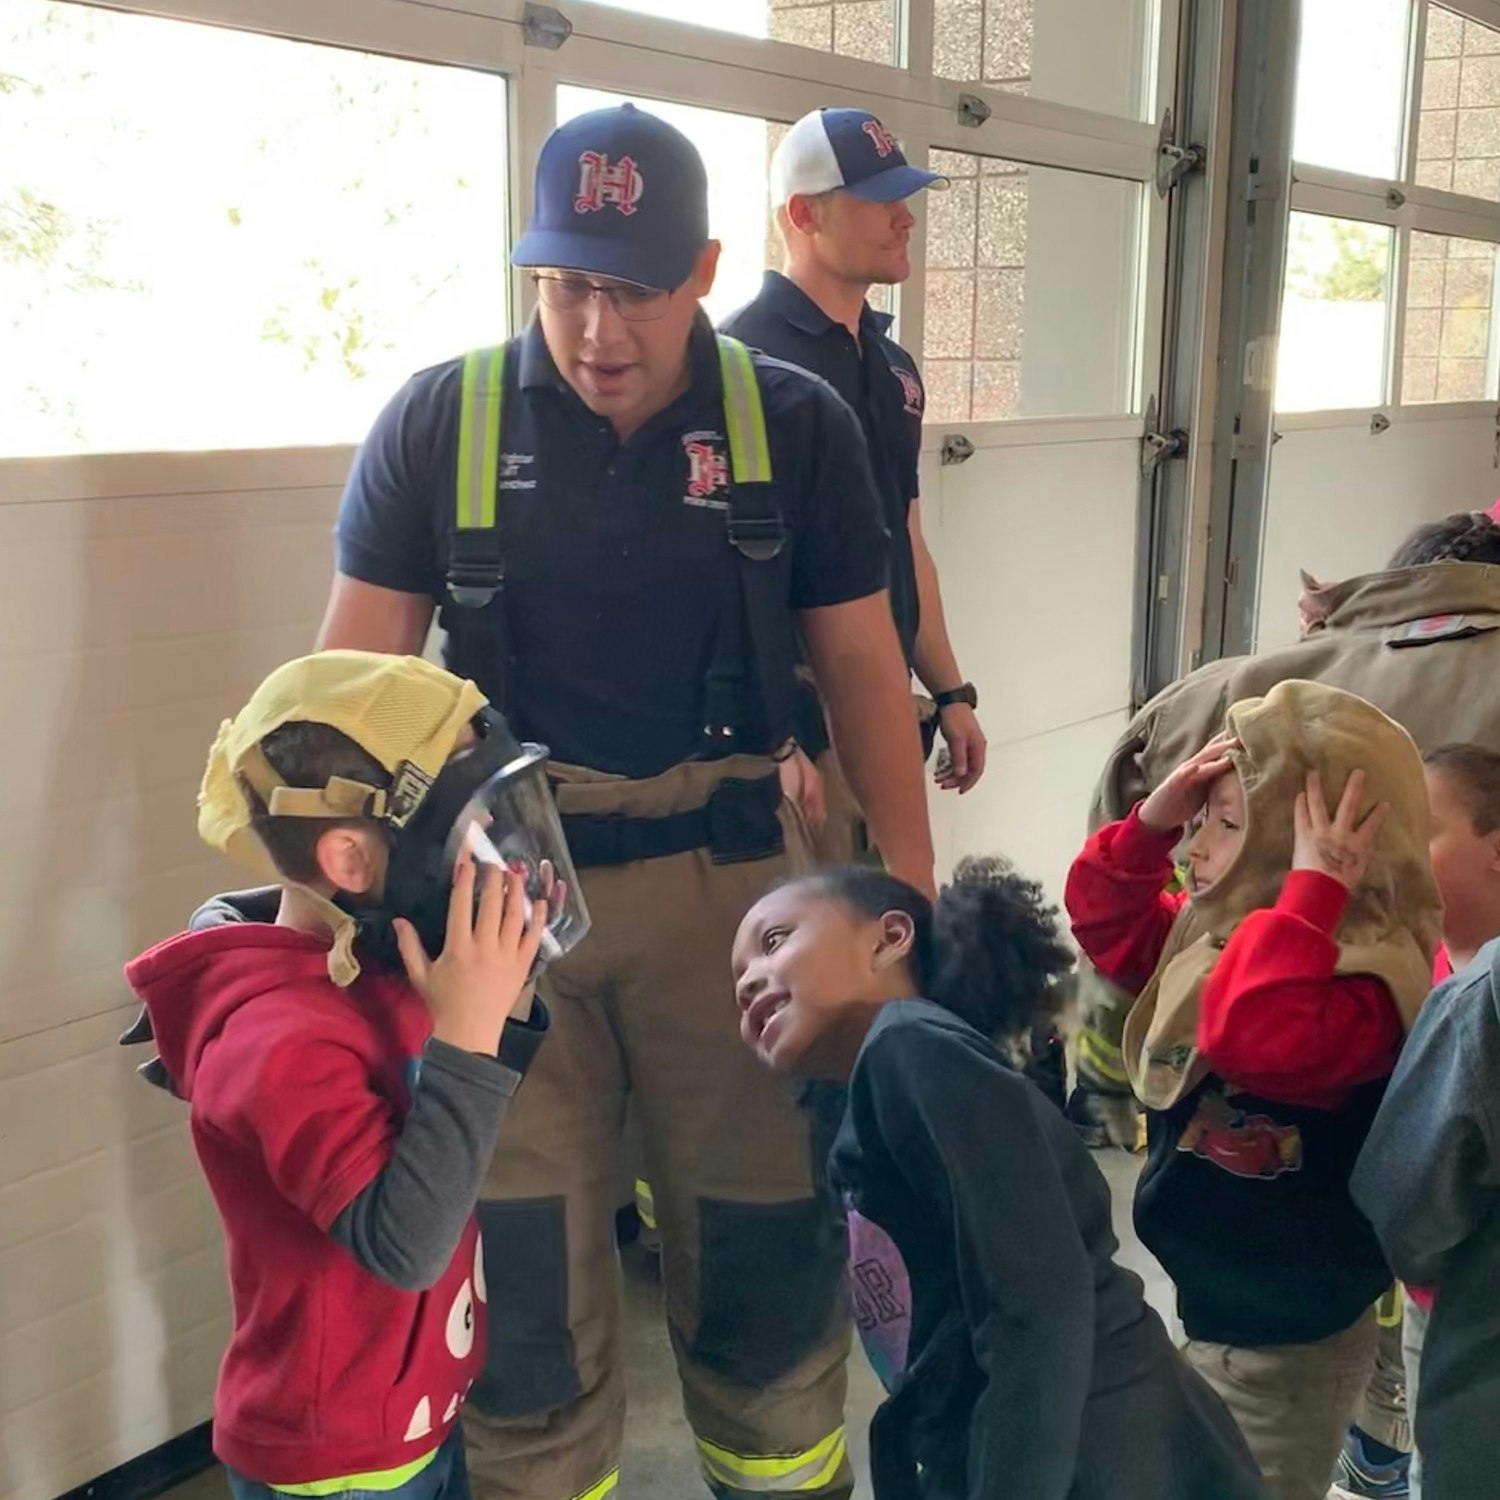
(1174, 162)
(544, 26)
(1157, 446)
(956, 449)
(972, 111)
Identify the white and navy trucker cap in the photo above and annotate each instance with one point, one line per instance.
(846, 151)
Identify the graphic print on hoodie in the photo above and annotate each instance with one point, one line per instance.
(1270, 1013)
(297, 1092)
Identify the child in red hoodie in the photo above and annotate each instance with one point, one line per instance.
(1273, 999)
(344, 1113)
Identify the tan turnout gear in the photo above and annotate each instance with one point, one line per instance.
(752, 1254)
(1422, 644)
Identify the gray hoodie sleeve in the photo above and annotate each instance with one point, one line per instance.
(1429, 1174)
(405, 1225)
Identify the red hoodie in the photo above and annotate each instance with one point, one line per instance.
(1274, 1016)
(297, 1091)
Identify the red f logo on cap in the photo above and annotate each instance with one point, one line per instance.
(602, 185)
(885, 142)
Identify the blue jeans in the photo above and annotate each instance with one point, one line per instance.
(445, 1478)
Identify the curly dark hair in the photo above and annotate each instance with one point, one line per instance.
(989, 949)
(1465, 536)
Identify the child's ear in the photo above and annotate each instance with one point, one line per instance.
(897, 934)
(1494, 843)
(352, 860)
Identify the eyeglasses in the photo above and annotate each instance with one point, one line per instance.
(636, 304)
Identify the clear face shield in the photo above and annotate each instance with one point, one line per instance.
(492, 802)
(511, 823)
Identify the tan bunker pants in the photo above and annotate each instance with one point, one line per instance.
(753, 1253)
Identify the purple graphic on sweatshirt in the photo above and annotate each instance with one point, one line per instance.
(881, 1291)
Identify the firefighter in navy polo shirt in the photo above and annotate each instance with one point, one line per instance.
(629, 523)
(839, 185)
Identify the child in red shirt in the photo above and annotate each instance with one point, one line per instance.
(1274, 996)
(344, 1112)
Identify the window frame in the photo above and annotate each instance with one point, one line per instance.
(1400, 204)
(615, 49)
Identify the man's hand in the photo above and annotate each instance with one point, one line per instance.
(802, 783)
(472, 988)
(960, 769)
(1178, 800)
(1339, 848)
(857, 662)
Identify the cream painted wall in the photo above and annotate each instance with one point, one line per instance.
(1342, 499)
(143, 599)
(1035, 548)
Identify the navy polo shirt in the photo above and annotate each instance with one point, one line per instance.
(880, 381)
(618, 562)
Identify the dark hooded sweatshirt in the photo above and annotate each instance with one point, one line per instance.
(354, 1340)
(1035, 1367)
(1429, 1179)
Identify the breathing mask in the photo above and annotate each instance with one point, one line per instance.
(491, 801)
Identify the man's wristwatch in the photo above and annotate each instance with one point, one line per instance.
(965, 693)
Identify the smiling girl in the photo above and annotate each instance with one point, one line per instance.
(1033, 1366)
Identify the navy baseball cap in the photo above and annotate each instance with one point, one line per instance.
(846, 151)
(619, 193)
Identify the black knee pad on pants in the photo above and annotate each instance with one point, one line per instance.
(530, 1367)
(771, 1285)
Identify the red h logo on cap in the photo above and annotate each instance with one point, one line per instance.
(602, 185)
(885, 142)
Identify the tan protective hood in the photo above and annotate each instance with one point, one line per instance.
(1394, 919)
(402, 711)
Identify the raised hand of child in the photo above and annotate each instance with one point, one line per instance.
(1178, 800)
(1339, 846)
(474, 985)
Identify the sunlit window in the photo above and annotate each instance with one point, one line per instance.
(1351, 85)
(1093, 55)
(865, 29)
(1335, 315)
(210, 239)
(1031, 291)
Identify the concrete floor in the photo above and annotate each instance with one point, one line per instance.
(659, 1459)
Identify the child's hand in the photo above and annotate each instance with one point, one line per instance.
(1340, 848)
(472, 988)
(1178, 800)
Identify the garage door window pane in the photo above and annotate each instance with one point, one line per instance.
(1353, 127)
(179, 270)
(867, 29)
(1083, 52)
(1031, 292)
(1458, 138)
(1449, 351)
(1334, 315)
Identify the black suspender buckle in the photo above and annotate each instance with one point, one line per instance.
(472, 585)
(758, 538)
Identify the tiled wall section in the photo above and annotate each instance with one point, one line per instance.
(864, 29)
(1449, 309)
(976, 288)
(1458, 146)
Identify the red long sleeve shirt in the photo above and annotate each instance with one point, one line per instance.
(1274, 1018)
